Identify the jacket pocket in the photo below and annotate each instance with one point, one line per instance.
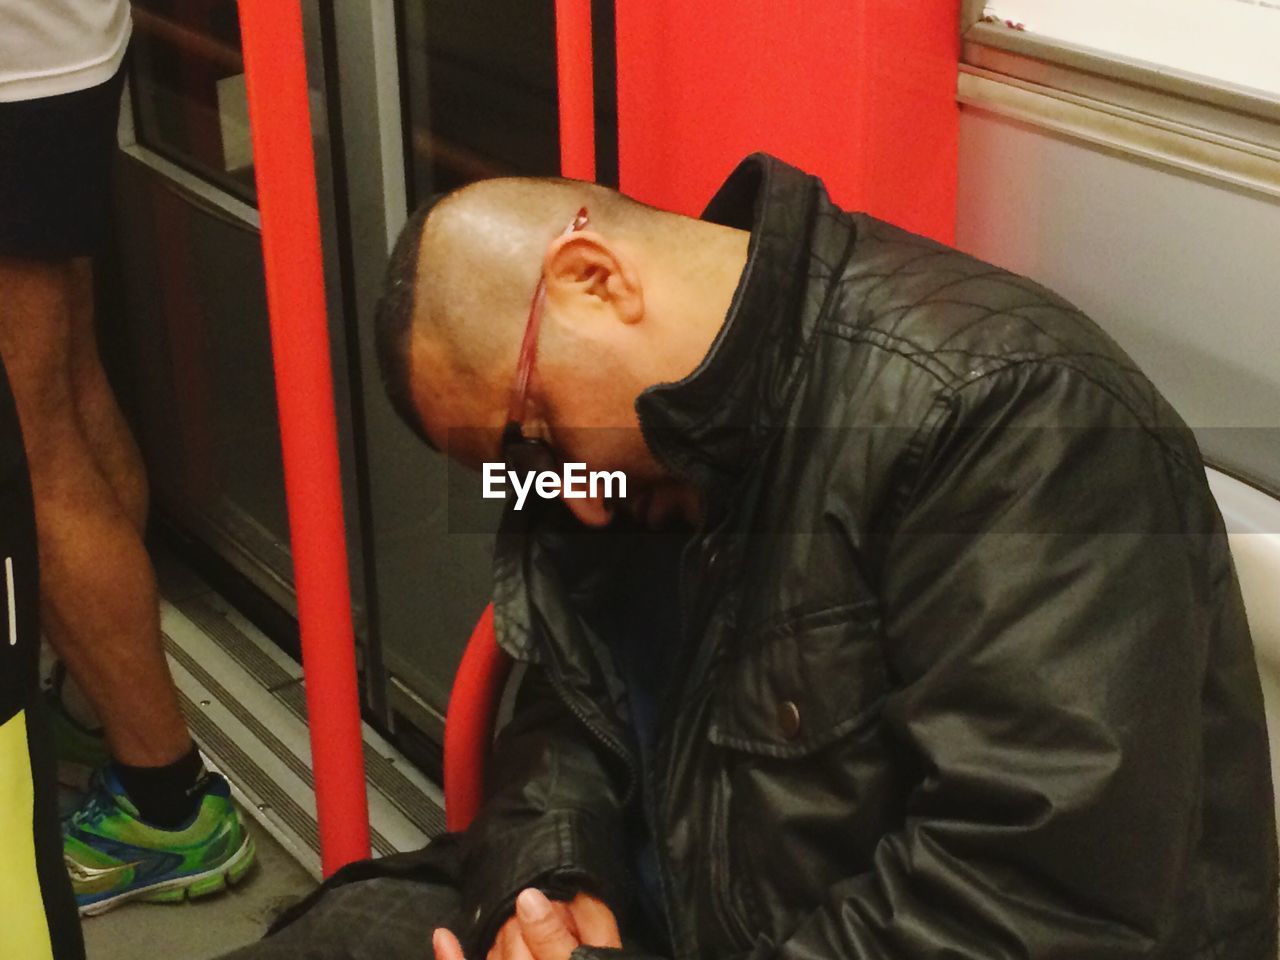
(801, 684)
(801, 792)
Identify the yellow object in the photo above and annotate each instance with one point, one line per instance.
(24, 929)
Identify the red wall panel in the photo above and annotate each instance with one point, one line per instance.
(861, 93)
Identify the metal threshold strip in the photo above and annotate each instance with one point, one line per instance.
(245, 702)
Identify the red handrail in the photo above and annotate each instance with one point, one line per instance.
(284, 167)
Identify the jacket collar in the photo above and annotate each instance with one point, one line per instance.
(705, 426)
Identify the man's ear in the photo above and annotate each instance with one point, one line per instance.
(583, 264)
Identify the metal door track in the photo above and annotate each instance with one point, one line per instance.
(246, 705)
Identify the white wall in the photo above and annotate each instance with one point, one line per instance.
(1222, 40)
(1184, 273)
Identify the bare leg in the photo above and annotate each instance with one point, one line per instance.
(101, 420)
(98, 591)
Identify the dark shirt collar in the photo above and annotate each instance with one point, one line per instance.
(705, 426)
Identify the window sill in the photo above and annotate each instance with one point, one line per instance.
(1243, 154)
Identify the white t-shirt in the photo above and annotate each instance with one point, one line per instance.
(49, 47)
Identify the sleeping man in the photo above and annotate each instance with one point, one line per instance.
(916, 634)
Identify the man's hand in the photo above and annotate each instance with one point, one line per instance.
(446, 945)
(509, 943)
(543, 929)
(545, 935)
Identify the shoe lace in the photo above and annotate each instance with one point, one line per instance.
(98, 803)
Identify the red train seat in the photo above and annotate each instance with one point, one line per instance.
(468, 726)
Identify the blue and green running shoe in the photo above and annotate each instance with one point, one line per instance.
(114, 856)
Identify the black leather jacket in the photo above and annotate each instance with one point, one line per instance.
(965, 671)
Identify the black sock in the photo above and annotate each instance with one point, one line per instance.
(165, 796)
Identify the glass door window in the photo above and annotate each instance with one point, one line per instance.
(480, 92)
(187, 80)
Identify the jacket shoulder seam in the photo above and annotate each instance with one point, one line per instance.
(914, 351)
(873, 338)
(1172, 453)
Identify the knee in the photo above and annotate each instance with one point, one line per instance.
(35, 339)
(40, 380)
(42, 393)
(46, 414)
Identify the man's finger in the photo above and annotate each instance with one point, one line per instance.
(597, 926)
(515, 948)
(544, 929)
(509, 944)
(508, 932)
(497, 951)
(446, 945)
(567, 918)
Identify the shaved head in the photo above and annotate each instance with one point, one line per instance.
(482, 252)
(634, 298)
(465, 266)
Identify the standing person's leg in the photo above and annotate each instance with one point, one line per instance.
(101, 419)
(156, 824)
(99, 598)
(102, 424)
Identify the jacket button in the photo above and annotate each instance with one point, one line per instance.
(789, 719)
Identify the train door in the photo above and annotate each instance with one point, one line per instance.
(409, 98)
(462, 92)
(193, 301)
(473, 94)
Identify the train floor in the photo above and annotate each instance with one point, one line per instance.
(208, 927)
(245, 702)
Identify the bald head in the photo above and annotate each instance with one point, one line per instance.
(483, 249)
(633, 299)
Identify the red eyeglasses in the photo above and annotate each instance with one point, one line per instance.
(521, 453)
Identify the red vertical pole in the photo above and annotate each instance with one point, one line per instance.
(577, 96)
(284, 168)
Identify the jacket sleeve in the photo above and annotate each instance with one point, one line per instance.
(1046, 594)
(551, 817)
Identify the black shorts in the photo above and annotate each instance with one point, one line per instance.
(55, 171)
